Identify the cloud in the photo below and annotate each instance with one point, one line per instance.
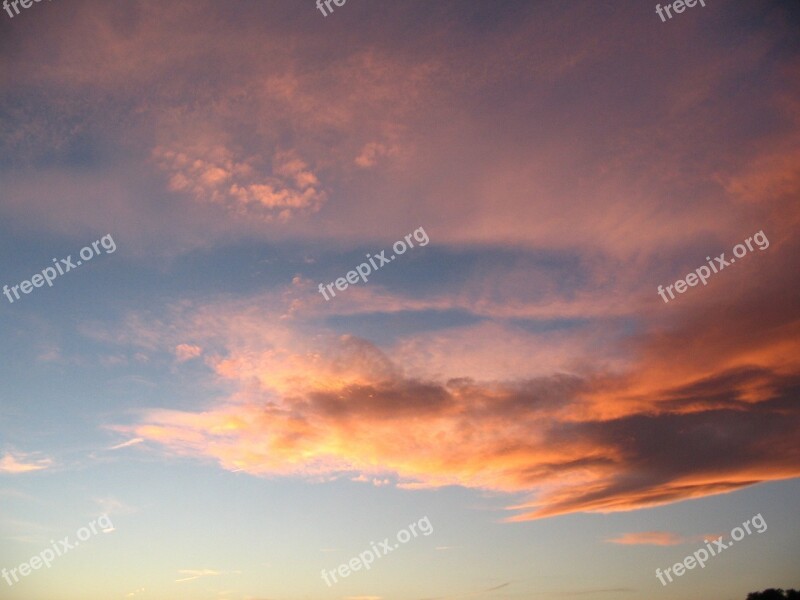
(22, 463)
(258, 132)
(374, 481)
(648, 538)
(127, 444)
(211, 174)
(372, 152)
(590, 440)
(186, 352)
(577, 214)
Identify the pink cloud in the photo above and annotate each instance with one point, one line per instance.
(186, 352)
(22, 463)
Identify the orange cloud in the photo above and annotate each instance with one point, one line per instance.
(648, 538)
(660, 430)
(695, 398)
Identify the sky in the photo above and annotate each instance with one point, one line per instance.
(504, 295)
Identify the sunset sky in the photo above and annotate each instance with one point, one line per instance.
(515, 377)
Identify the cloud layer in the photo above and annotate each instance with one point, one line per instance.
(560, 186)
(662, 429)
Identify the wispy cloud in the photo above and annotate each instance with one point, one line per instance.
(22, 463)
(127, 444)
(648, 538)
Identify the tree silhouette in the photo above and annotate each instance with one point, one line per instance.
(773, 594)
